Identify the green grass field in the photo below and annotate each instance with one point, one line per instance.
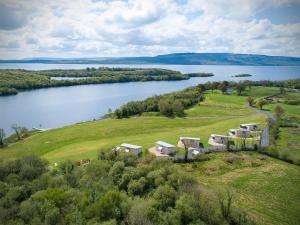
(288, 144)
(268, 189)
(290, 110)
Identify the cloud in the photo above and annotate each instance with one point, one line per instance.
(66, 28)
(12, 17)
(11, 44)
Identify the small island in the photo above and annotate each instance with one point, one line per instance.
(243, 75)
(200, 74)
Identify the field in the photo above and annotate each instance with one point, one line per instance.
(269, 189)
(290, 110)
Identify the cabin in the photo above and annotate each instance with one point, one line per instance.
(217, 139)
(189, 142)
(250, 126)
(165, 148)
(240, 133)
(131, 148)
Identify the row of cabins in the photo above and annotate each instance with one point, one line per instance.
(164, 149)
(244, 131)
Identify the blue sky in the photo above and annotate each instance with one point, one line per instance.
(95, 28)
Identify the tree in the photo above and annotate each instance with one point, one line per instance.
(250, 100)
(18, 130)
(187, 206)
(240, 87)
(165, 108)
(136, 187)
(248, 83)
(212, 86)
(201, 88)
(225, 204)
(165, 196)
(222, 87)
(108, 206)
(2, 135)
(282, 90)
(260, 103)
(138, 213)
(118, 114)
(52, 216)
(178, 108)
(279, 112)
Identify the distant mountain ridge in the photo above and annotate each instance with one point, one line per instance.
(175, 59)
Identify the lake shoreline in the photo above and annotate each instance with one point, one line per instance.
(61, 106)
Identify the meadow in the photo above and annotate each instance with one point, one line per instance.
(267, 188)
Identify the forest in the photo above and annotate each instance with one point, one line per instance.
(172, 104)
(13, 81)
(118, 188)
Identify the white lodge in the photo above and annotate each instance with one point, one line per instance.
(165, 148)
(189, 142)
(131, 148)
(250, 126)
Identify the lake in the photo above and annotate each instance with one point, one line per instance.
(57, 107)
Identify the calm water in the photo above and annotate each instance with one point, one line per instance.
(56, 107)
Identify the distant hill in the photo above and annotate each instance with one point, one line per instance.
(176, 58)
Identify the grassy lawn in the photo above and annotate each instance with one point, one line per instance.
(290, 110)
(288, 144)
(85, 140)
(257, 91)
(217, 104)
(267, 188)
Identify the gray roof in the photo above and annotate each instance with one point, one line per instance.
(248, 124)
(125, 145)
(164, 144)
(219, 135)
(190, 138)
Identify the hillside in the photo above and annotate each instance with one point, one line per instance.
(177, 59)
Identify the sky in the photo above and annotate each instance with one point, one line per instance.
(108, 28)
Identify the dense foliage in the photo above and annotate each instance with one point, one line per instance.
(243, 75)
(11, 81)
(283, 83)
(172, 104)
(200, 74)
(117, 188)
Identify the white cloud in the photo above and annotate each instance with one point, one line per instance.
(66, 28)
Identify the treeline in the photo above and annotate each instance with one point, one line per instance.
(292, 83)
(12, 81)
(116, 189)
(105, 71)
(200, 74)
(172, 104)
